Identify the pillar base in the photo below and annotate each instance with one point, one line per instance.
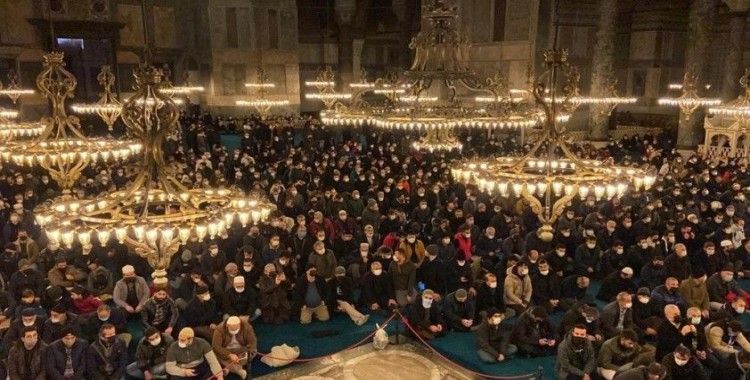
(686, 151)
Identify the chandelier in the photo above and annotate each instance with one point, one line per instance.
(108, 108)
(436, 93)
(261, 104)
(62, 149)
(689, 101)
(177, 92)
(550, 175)
(155, 213)
(14, 90)
(739, 108)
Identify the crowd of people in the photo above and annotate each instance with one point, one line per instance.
(363, 227)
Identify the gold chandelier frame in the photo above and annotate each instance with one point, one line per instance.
(108, 108)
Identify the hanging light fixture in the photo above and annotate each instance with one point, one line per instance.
(108, 107)
(550, 175)
(62, 149)
(155, 213)
(739, 108)
(14, 90)
(260, 102)
(690, 100)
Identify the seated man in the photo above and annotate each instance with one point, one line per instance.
(105, 314)
(616, 282)
(492, 338)
(202, 314)
(378, 295)
(59, 321)
(26, 358)
(107, 356)
(235, 344)
(722, 285)
(726, 337)
(151, 355)
(66, 357)
(425, 318)
(274, 300)
(458, 309)
(490, 296)
(344, 298)
(241, 300)
(617, 354)
(576, 356)
(617, 315)
(587, 316)
(668, 293)
(131, 292)
(533, 333)
(311, 291)
(160, 311)
(192, 358)
(682, 365)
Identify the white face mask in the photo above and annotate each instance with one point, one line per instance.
(680, 362)
(214, 251)
(182, 344)
(695, 320)
(619, 251)
(239, 290)
(206, 297)
(591, 245)
(27, 324)
(54, 319)
(377, 272)
(446, 241)
(426, 303)
(247, 268)
(560, 252)
(234, 332)
(566, 233)
(496, 320)
(644, 299)
(157, 341)
(740, 310)
(544, 272)
(492, 285)
(628, 305)
(523, 272)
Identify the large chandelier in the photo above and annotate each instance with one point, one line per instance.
(550, 175)
(62, 149)
(11, 129)
(260, 102)
(437, 92)
(108, 108)
(14, 90)
(739, 108)
(690, 100)
(155, 213)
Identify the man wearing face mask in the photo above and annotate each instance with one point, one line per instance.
(26, 357)
(446, 250)
(150, 356)
(517, 288)
(27, 318)
(413, 248)
(425, 318)
(235, 344)
(693, 290)
(587, 256)
(213, 263)
(722, 285)
(241, 300)
(683, 365)
(616, 282)
(673, 331)
(65, 358)
(576, 356)
(404, 276)
(678, 264)
(491, 337)
(131, 292)
(653, 273)
(106, 356)
(378, 294)
(60, 320)
(192, 358)
(617, 315)
(202, 313)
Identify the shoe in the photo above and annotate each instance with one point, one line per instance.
(363, 320)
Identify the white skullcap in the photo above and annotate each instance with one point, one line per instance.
(128, 269)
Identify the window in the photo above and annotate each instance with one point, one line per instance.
(233, 79)
(273, 29)
(498, 33)
(231, 23)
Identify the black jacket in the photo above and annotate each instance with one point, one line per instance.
(545, 288)
(55, 360)
(201, 313)
(376, 289)
(418, 316)
(300, 290)
(487, 298)
(244, 303)
(97, 360)
(434, 275)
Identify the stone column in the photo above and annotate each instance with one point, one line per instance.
(733, 63)
(344, 14)
(690, 129)
(603, 70)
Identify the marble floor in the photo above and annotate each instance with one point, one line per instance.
(407, 361)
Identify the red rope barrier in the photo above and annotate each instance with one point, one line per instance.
(406, 322)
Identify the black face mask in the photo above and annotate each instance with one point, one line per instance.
(578, 342)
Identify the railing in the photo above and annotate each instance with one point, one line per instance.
(720, 152)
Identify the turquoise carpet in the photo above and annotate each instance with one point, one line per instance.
(459, 347)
